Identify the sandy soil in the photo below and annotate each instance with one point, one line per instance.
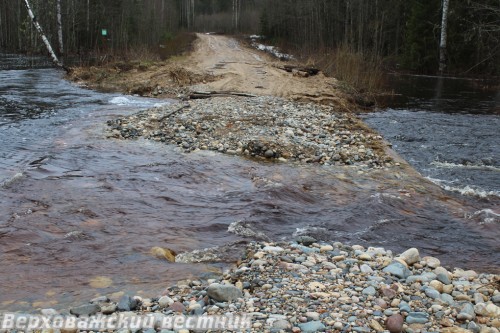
(247, 70)
(217, 63)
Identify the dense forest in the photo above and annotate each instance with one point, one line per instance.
(398, 34)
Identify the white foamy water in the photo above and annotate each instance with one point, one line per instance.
(478, 166)
(473, 191)
(485, 216)
(139, 101)
(307, 230)
(447, 129)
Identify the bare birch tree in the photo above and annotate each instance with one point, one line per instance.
(187, 13)
(88, 16)
(236, 14)
(38, 27)
(444, 37)
(60, 28)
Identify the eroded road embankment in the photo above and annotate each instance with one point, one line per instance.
(217, 63)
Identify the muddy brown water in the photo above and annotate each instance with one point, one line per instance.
(80, 213)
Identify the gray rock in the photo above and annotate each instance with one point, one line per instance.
(361, 329)
(444, 278)
(223, 293)
(478, 298)
(439, 314)
(108, 308)
(416, 278)
(100, 299)
(404, 307)
(305, 240)
(472, 326)
(269, 153)
(448, 299)
(398, 270)
(388, 312)
(313, 316)
(417, 318)
(466, 312)
(198, 311)
(165, 301)
(312, 326)
(461, 283)
(370, 291)
(85, 310)
(366, 269)
(432, 293)
(410, 256)
(486, 329)
(300, 259)
(487, 310)
(429, 276)
(126, 303)
(282, 324)
(306, 249)
(496, 298)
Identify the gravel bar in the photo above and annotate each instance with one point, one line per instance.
(260, 127)
(310, 286)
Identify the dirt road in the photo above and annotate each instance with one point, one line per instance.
(249, 70)
(217, 63)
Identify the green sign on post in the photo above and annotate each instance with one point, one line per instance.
(104, 32)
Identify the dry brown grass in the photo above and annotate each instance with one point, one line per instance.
(183, 77)
(175, 45)
(360, 72)
(142, 55)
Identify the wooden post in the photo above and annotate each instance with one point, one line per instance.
(55, 60)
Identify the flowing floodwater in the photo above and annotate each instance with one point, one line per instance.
(80, 213)
(448, 129)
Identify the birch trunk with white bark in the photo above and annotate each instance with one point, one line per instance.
(59, 28)
(236, 14)
(444, 37)
(38, 27)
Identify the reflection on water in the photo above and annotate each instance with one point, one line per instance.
(439, 94)
(80, 212)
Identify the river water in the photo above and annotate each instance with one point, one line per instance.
(448, 129)
(80, 213)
